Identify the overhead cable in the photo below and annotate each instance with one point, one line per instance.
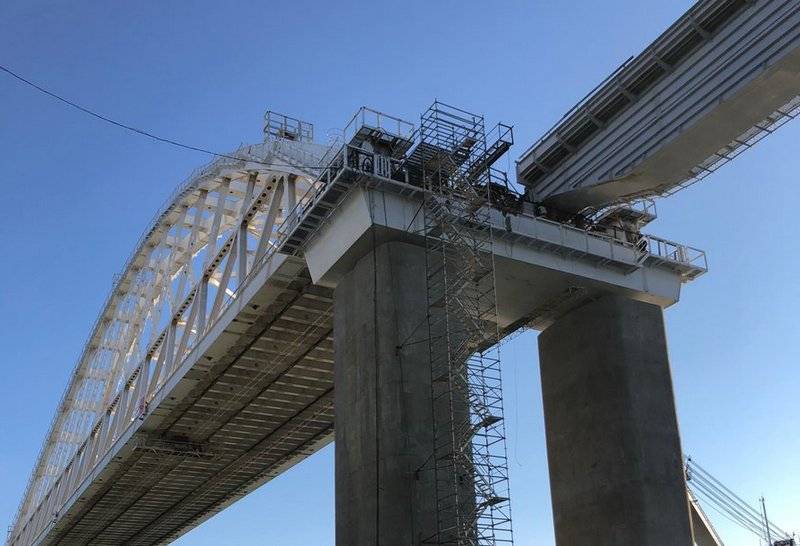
(141, 132)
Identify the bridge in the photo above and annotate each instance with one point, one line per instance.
(213, 366)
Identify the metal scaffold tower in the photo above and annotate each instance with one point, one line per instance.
(469, 459)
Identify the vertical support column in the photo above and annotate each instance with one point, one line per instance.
(385, 487)
(613, 448)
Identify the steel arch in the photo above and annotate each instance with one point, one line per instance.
(186, 268)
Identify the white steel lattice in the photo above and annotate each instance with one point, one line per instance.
(215, 231)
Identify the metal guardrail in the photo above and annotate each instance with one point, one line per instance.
(671, 251)
(501, 132)
(347, 157)
(365, 162)
(281, 126)
(647, 245)
(341, 155)
(373, 119)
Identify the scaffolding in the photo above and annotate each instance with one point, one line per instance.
(469, 459)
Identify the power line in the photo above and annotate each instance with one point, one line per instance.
(726, 502)
(714, 482)
(141, 132)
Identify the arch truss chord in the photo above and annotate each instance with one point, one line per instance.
(218, 227)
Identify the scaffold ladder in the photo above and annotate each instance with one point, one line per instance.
(469, 460)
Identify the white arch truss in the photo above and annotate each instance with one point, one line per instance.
(215, 229)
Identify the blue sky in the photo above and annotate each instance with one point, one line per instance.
(78, 193)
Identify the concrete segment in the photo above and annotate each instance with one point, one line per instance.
(536, 260)
(613, 446)
(384, 421)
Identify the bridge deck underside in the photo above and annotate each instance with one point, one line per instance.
(262, 406)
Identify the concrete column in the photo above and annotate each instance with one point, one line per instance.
(384, 424)
(613, 448)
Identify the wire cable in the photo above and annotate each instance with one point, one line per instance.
(720, 503)
(723, 500)
(703, 474)
(725, 513)
(141, 132)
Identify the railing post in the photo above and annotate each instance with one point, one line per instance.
(71, 480)
(47, 507)
(189, 324)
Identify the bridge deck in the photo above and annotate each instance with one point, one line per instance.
(250, 404)
(723, 76)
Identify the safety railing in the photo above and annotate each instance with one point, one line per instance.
(500, 133)
(280, 126)
(644, 206)
(366, 162)
(299, 155)
(334, 147)
(675, 252)
(353, 159)
(643, 244)
(373, 119)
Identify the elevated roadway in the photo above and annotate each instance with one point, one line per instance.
(720, 78)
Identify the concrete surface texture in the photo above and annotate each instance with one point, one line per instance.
(384, 420)
(613, 446)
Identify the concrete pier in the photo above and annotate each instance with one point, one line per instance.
(613, 446)
(384, 423)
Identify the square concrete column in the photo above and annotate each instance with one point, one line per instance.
(385, 490)
(613, 448)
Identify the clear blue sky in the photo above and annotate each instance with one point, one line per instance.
(78, 193)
